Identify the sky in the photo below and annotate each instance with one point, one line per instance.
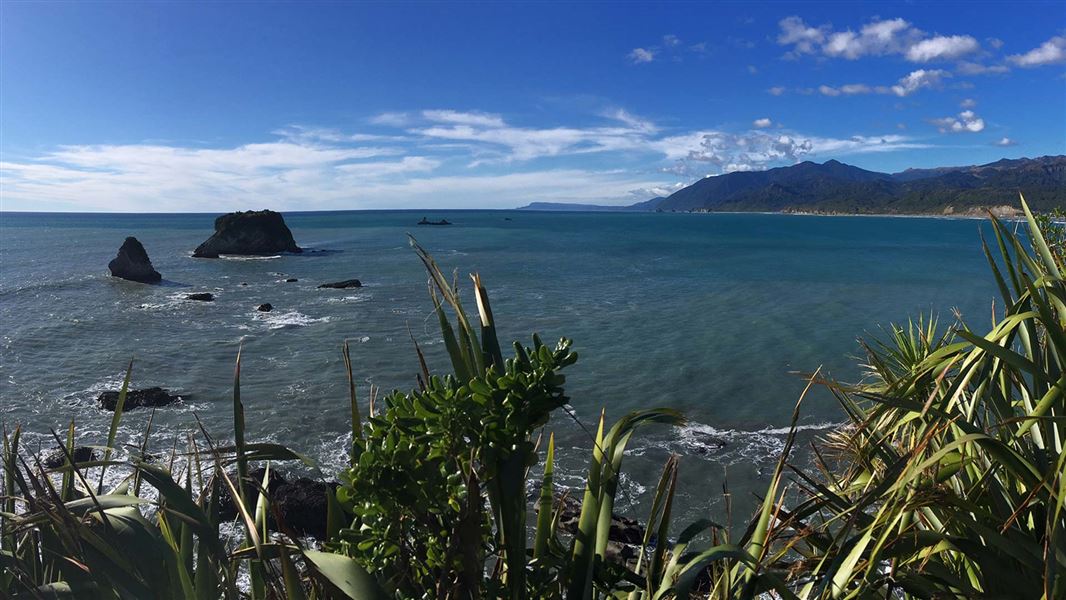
(217, 106)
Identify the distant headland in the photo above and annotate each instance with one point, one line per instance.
(834, 188)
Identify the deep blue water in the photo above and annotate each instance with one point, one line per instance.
(712, 314)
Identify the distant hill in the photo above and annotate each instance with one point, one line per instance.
(836, 188)
(646, 205)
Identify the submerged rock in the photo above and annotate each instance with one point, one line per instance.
(341, 285)
(265, 307)
(426, 221)
(291, 280)
(58, 458)
(148, 397)
(132, 263)
(624, 537)
(202, 296)
(250, 233)
(300, 502)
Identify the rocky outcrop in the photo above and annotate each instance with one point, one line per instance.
(59, 457)
(202, 297)
(265, 307)
(132, 263)
(301, 502)
(250, 233)
(623, 539)
(149, 397)
(342, 285)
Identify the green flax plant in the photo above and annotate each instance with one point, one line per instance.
(949, 480)
(64, 537)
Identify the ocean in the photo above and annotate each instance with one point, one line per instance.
(717, 315)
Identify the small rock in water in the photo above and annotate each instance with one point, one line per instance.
(244, 283)
(265, 307)
(341, 285)
(291, 280)
(202, 296)
(132, 263)
(59, 458)
(710, 443)
(148, 397)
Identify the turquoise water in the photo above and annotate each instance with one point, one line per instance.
(712, 314)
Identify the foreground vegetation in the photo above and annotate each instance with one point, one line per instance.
(947, 482)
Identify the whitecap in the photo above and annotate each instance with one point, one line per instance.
(731, 446)
(243, 257)
(348, 299)
(277, 320)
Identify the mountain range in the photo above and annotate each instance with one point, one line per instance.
(833, 187)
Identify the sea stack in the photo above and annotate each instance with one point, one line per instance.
(249, 233)
(132, 263)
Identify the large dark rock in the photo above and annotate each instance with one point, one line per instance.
(265, 307)
(59, 457)
(623, 539)
(202, 296)
(341, 285)
(132, 263)
(623, 529)
(301, 502)
(252, 232)
(148, 397)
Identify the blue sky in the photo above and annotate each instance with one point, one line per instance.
(220, 106)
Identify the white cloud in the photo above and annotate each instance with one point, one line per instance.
(722, 152)
(641, 55)
(917, 80)
(659, 191)
(907, 85)
(306, 135)
(850, 89)
(443, 158)
(855, 88)
(671, 41)
(637, 123)
(508, 144)
(455, 117)
(747, 152)
(762, 123)
(973, 68)
(1050, 52)
(876, 38)
(879, 37)
(864, 144)
(968, 103)
(942, 48)
(143, 177)
(391, 119)
(777, 90)
(966, 122)
(802, 37)
(1004, 142)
